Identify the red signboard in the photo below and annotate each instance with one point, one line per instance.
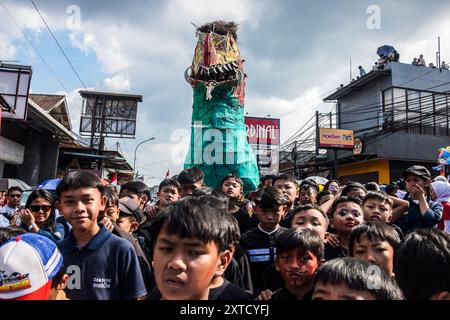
(263, 130)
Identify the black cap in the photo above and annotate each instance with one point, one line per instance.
(129, 207)
(420, 171)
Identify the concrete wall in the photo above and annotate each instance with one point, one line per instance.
(359, 110)
(40, 154)
(408, 146)
(28, 171)
(419, 78)
(49, 160)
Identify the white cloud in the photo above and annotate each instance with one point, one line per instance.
(107, 46)
(291, 65)
(203, 11)
(118, 82)
(7, 49)
(292, 112)
(83, 41)
(74, 103)
(425, 42)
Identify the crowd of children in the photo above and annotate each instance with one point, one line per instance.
(285, 241)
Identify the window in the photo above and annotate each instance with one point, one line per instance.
(427, 112)
(400, 107)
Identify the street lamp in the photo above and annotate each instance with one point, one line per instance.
(134, 161)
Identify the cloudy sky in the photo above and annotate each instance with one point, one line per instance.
(296, 53)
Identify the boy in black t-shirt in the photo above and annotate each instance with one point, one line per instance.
(259, 243)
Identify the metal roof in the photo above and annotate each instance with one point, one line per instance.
(357, 84)
(121, 96)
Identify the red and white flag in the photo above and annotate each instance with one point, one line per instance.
(114, 180)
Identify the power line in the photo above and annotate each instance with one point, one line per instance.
(59, 46)
(34, 48)
(371, 106)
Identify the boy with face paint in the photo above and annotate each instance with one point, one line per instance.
(347, 213)
(300, 252)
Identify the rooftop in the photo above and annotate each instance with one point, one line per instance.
(357, 84)
(120, 96)
(47, 101)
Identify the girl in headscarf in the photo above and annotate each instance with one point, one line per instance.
(441, 194)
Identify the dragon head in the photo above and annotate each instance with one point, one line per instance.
(217, 59)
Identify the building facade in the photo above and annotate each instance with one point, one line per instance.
(401, 115)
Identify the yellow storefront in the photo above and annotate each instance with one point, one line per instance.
(378, 166)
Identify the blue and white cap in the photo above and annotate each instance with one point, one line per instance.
(27, 263)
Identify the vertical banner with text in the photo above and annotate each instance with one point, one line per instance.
(263, 135)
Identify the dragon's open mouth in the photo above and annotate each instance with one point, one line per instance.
(218, 73)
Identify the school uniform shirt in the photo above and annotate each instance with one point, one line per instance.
(284, 294)
(243, 218)
(106, 268)
(259, 247)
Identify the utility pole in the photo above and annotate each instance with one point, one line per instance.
(317, 142)
(351, 74)
(335, 150)
(438, 54)
(134, 162)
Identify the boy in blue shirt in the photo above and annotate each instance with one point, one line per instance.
(116, 274)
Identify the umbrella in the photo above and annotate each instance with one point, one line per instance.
(6, 183)
(385, 51)
(49, 184)
(318, 180)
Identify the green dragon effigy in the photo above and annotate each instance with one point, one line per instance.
(219, 143)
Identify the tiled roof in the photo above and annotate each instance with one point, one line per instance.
(46, 101)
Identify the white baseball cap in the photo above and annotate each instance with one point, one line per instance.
(27, 264)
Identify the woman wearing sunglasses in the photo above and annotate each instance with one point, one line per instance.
(38, 216)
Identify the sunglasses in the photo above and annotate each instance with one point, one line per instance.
(38, 208)
(15, 195)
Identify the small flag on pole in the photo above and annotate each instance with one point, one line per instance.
(114, 180)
